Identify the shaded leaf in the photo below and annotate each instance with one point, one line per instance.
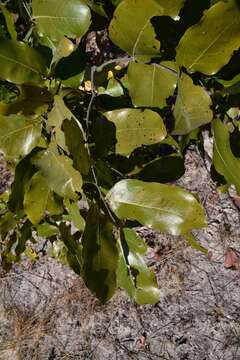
(192, 108)
(18, 135)
(133, 274)
(75, 141)
(59, 173)
(99, 255)
(74, 213)
(165, 208)
(209, 45)
(159, 81)
(163, 170)
(20, 63)
(223, 159)
(59, 18)
(135, 128)
(9, 22)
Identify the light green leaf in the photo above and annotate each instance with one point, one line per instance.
(208, 45)
(59, 173)
(35, 199)
(20, 64)
(135, 128)
(9, 22)
(18, 135)
(136, 37)
(224, 160)
(63, 49)
(56, 117)
(100, 255)
(47, 230)
(133, 274)
(74, 213)
(159, 81)
(192, 108)
(59, 18)
(165, 208)
(171, 7)
(113, 89)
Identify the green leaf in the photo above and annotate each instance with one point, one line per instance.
(7, 223)
(99, 255)
(64, 48)
(224, 160)
(140, 41)
(133, 274)
(18, 135)
(26, 234)
(163, 170)
(20, 64)
(59, 18)
(36, 198)
(56, 117)
(192, 108)
(59, 173)
(74, 255)
(75, 216)
(47, 230)
(159, 80)
(209, 45)
(75, 141)
(165, 208)
(135, 128)
(9, 22)
(171, 7)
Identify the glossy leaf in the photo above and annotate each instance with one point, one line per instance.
(165, 208)
(135, 128)
(20, 63)
(136, 37)
(100, 255)
(63, 49)
(59, 173)
(209, 45)
(35, 199)
(59, 18)
(192, 108)
(224, 160)
(18, 135)
(133, 274)
(159, 81)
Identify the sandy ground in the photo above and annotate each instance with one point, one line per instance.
(47, 313)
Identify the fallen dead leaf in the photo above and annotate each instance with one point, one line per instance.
(232, 260)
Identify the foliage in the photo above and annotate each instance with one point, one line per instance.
(96, 133)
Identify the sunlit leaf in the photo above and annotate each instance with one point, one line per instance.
(192, 108)
(208, 45)
(224, 160)
(159, 80)
(18, 135)
(59, 18)
(135, 128)
(133, 274)
(21, 64)
(165, 208)
(59, 173)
